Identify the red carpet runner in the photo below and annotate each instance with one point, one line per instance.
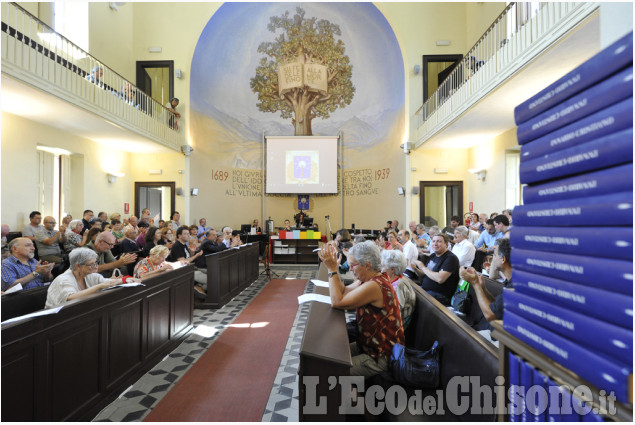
(233, 379)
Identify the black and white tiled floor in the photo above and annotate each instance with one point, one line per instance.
(138, 400)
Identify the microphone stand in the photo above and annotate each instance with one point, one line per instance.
(328, 221)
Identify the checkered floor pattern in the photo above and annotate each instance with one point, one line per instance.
(138, 400)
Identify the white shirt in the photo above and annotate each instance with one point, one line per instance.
(473, 235)
(66, 284)
(410, 252)
(465, 252)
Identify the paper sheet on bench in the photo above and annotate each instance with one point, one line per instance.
(314, 297)
(126, 285)
(15, 288)
(320, 283)
(37, 313)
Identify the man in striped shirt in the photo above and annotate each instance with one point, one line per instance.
(21, 268)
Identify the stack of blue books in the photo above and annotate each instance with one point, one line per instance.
(533, 397)
(572, 240)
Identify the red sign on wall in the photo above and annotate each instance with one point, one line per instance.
(471, 207)
(126, 208)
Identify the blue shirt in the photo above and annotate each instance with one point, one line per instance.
(202, 230)
(426, 237)
(487, 239)
(13, 269)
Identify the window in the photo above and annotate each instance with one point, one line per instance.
(71, 21)
(53, 182)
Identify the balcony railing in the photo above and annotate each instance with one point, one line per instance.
(519, 34)
(34, 53)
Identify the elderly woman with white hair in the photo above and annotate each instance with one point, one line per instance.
(377, 307)
(79, 281)
(73, 235)
(154, 264)
(394, 263)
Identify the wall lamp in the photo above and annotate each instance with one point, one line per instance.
(480, 173)
(112, 177)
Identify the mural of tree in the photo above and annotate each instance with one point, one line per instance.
(306, 73)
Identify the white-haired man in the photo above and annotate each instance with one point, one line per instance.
(463, 248)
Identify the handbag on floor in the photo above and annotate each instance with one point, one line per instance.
(461, 301)
(415, 368)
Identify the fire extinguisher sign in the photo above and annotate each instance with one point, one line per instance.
(126, 208)
(471, 207)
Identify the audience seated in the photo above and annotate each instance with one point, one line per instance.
(117, 229)
(508, 213)
(463, 248)
(501, 224)
(180, 252)
(105, 260)
(377, 307)
(141, 236)
(50, 242)
(395, 225)
(209, 245)
(167, 237)
(203, 228)
(95, 75)
(152, 237)
(34, 225)
(91, 235)
(129, 244)
(393, 263)
(487, 240)
(409, 251)
(5, 246)
(87, 219)
(74, 238)
(392, 238)
(103, 217)
(455, 221)
(174, 218)
(133, 223)
(227, 236)
(235, 240)
(491, 307)
(66, 221)
(154, 263)
(21, 268)
(441, 276)
(482, 220)
(79, 281)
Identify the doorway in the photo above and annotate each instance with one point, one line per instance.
(158, 197)
(436, 68)
(439, 201)
(156, 79)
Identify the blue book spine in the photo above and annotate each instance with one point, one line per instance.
(607, 210)
(608, 306)
(607, 151)
(608, 92)
(608, 180)
(590, 416)
(614, 341)
(610, 242)
(513, 392)
(539, 400)
(555, 408)
(608, 61)
(603, 273)
(526, 381)
(567, 414)
(605, 374)
(610, 120)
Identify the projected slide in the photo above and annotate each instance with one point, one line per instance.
(302, 167)
(303, 164)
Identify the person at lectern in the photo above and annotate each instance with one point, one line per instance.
(299, 221)
(378, 315)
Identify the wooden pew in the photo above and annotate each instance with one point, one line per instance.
(70, 365)
(228, 273)
(23, 302)
(463, 352)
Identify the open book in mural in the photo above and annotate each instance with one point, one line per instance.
(306, 73)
